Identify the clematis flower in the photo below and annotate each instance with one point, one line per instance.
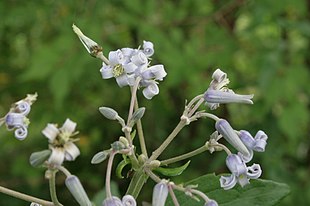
(240, 172)
(218, 93)
(224, 128)
(16, 119)
(60, 142)
(258, 143)
(127, 64)
(160, 193)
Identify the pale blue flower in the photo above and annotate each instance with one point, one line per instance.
(240, 172)
(223, 97)
(224, 128)
(258, 143)
(211, 203)
(151, 90)
(148, 48)
(16, 119)
(160, 193)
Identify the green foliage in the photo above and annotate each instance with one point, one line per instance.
(170, 172)
(258, 192)
(262, 45)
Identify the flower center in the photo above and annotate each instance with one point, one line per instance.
(118, 70)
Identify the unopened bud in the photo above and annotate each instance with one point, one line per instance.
(75, 187)
(38, 158)
(160, 193)
(108, 113)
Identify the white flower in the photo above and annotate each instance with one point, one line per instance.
(60, 142)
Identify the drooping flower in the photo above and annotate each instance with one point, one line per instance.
(61, 142)
(218, 93)
(160, 193)
(258, 143)
(240, 173)
(224, 128)
(76, 189)
(16, 119)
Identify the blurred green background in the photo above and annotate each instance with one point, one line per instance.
(262, 45)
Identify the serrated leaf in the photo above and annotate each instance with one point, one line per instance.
(100, 157)
(258, 192)
(38, 158)
(171, 172)
(120, 168)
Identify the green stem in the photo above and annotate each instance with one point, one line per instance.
(193, 110)
(25, 197)
(136, 183)
(168, 140)
(52, 181)
(184, 156)
(140, 133)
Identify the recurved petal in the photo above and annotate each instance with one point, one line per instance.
(14, 119)
(150, 91)
(57, 157)
(228, 182)
(116, 57)
(254, 171)
(68, 126)
(50, 131)
(148, 48)
(21, 133)
(71, 151)
(106, 72)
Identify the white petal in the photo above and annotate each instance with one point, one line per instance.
(219, 76)
(158, 71)
(125, 80)
(139, 59)
(57, 157)
(150, 91)
(130, 67)
(106, 72)
(116, 57)
(50, 131)
(148, 48)
(254, 171)
(23, 107)
(71, 151)
(68, 126)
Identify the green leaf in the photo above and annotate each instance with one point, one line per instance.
(38, 158)
(100, 157)
(171, 172)
(258, 192)
(121, 166)
(133, 134)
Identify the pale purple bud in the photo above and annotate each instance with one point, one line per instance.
(14, 120)
(222, 97)
(75, 187)
(160, 193)
(224, 128)
(114, 201)
(148, 48)
(211, 203)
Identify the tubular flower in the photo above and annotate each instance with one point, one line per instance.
(218, 93)
(127, 64)
(16, 119)
(240, 172)
(160, 193)
(127, 200)
(258, 143)
(224, 128)
(61, 143)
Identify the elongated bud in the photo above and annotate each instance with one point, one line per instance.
(75, 187)
(211, 203)
(100, 157)
(224, 128)
(38, 158)
(108, 113)
(138, 114)
(160, 193)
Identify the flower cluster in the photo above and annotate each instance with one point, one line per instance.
(218, 93)
(244, 142)
(61, 142)
(127, 64)
(16, 119)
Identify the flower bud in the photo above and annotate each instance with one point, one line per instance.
(211, 203)
(108, 113)
(114, 201)
(160, 193)
(38, 158)
(75, 187)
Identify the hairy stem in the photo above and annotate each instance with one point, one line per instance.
(168, 140)
(184, 156)
(140, 133)
(133, 98)
(136, 183)
(25, 197)
(52, 185)
(108, 175)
